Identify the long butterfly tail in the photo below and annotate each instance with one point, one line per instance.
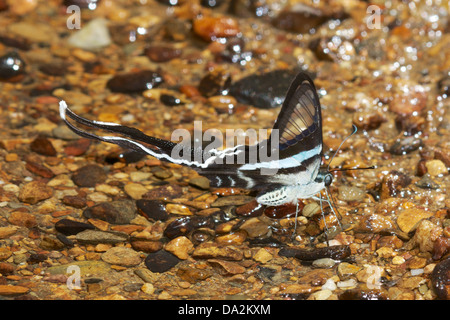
(161, 149)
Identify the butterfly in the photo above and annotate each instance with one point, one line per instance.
(296, 139)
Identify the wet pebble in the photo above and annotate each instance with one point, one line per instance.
(375, 223)
(202, 235)
(165, 191)
(15, 42)
(94, 35)
(408, 219)
(214, 83)
(427, 233)
(22, 218)
(334, 252)
(393, 183)
(71, 227)
(75, 201)
(405, 145)
(324, 263)
(39, 169)
(346, 270)
(200, 182)
(427, 183)
(283, 211)
(237, 200)
(347, 193)
(183, 226)
(161, 53)
(180, 247)
(255, 227)
(170, 100)
(122, 256)
(436, 168)
(161, 261)
(115, 212)
(212, 28)
(300, 18)
(135, 81)
(77, 148)
(89, 176)
(146, 246)
(266, 90)
(250, 209)
(96, 236)
(226, 267)
(153, 210)
(43, 146)
(11, 66)
(193, 275)
(368, 120)
(440, 279)
(35, 191)
(213, 251)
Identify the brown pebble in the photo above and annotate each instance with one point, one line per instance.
(22, 219)
(227, 267)
(39, 169)
(43, 146)
(193, 275)
(77, 148)
(34, 192)
(211, 28)
(146, 246)
(440, 279)
(10, 290)
(74, 201)
(161, 53)
(89, 176)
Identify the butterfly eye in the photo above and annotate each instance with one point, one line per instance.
(328, 179)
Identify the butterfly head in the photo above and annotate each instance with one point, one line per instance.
(325, 177)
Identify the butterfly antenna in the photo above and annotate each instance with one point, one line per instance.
(343, 141)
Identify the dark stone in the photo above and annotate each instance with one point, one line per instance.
(170, 100)
(70, 227)
(440, 279)
(161, 261)
(36, 258)
(215, 83)
(184, 225)
(250, 209)
(153, 210)
(43, 146)
(234, 52)
(358, 294)
(427, 183)
(11, 65)
(265, 91)
(74, 201)
(334, 252)
(405, 145)
(89, 176)
(135, 81)
(15, 42)
(283, 211)
(162, 53)
(53, 69)
(115, 212)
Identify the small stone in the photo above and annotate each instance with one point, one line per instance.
(94, 35)
(139, 176)
(200, 182)
(153, 210)
(345, 270)
(180, 247)
(23, 219)
(148, 288)
(237, 200)
(393, 183)
(349, 283)
(440, 279)
(211, 28)
(227, 267)
(320, 295)
(35, 191)
(426, 234)
(11, 66)
(95, 237)
(255, 227)
(6, 232)
(77, 148)
(71, 227)
(165, 191)
(436, 168)
(213, 251)
(347, 193)
(50, 242)
(173, 208)
(5, 253)
(216, 82)
(160, 53)
(193, 275)
(329, 285)
(6, 268)
(397, 260)
(135, 190)
(89, 176)
(115, 212)
(39, 169)
(427, 183)
(161, 261)
(122, 256)
(262, 256)
(10, 290)
(405, 145)
(408, 219)
(86, 268)
(324, 263)
(185, 225)
(135, 81)
(161, 173)
(74, 201)
(300, 18)
(43, 146)
(146, 246)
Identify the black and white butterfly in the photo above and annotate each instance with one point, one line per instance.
(298, 144)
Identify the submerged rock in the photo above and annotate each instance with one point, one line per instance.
(94, 35)
(135, 81)
(11, 65)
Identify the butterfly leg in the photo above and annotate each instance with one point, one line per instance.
(337, 215)
(295, 222)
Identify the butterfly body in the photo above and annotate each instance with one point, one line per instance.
(296, 140)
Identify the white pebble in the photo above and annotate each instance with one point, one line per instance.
(329, 285)
(347, 283)
(93, 35)
(416, 272)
